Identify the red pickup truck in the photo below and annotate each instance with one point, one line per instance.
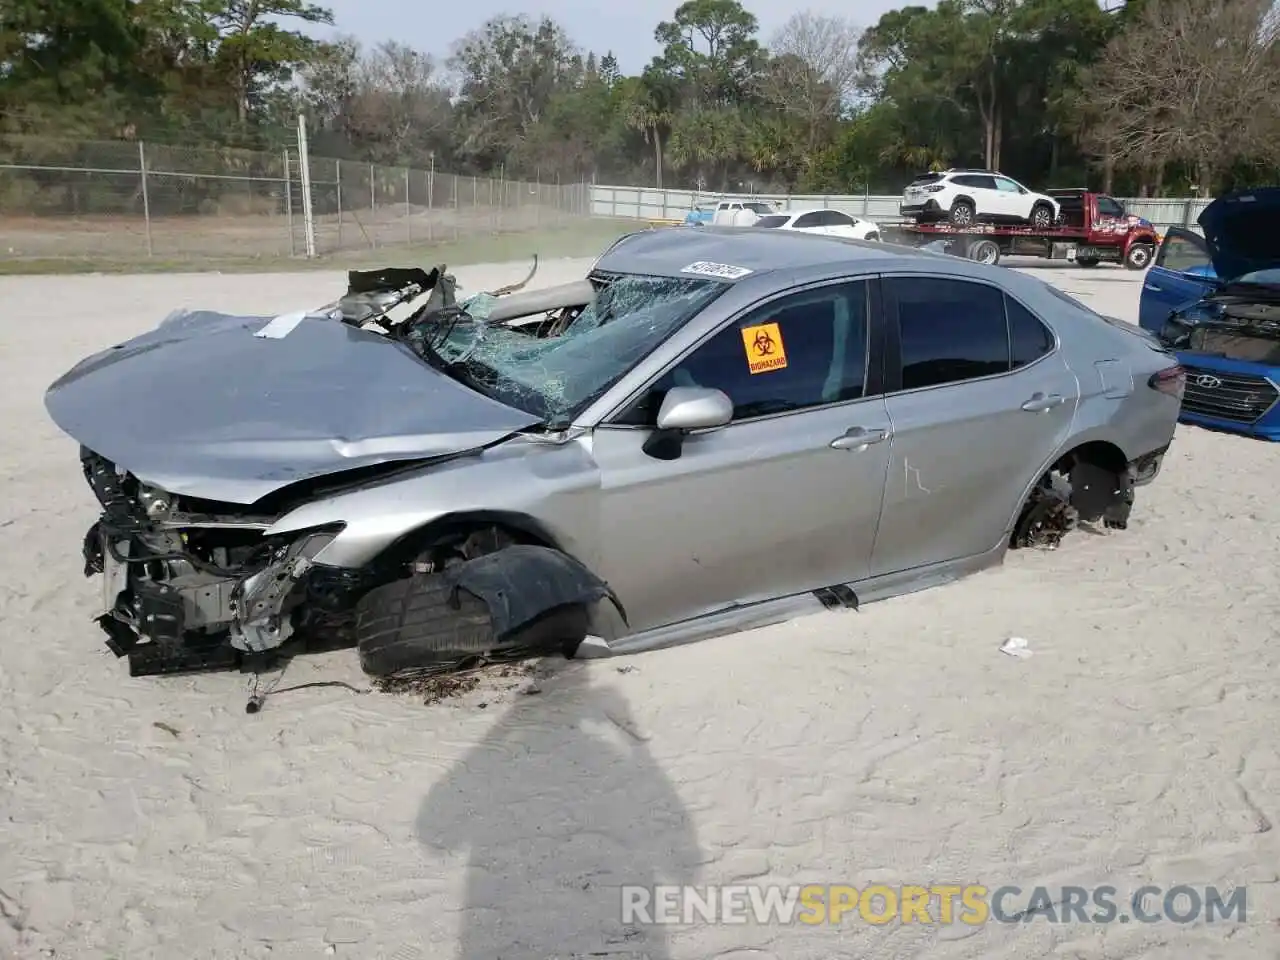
(1092, 228)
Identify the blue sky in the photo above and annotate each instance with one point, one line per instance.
(625, 26)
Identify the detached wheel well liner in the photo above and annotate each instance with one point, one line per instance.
(475, 584)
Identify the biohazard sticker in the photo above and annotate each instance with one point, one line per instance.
(765, 350)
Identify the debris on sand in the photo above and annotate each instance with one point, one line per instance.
(434, 686)
(1016, 647)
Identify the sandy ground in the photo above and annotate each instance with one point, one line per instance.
(154, 818)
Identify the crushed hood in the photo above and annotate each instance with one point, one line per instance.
(1242, 230)
(203, 407)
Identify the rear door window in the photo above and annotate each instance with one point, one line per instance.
(809, 220)
(948, 330)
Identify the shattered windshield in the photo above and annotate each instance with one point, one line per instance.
(555, 377)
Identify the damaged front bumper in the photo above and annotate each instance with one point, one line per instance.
(185, 591)
(168, 615)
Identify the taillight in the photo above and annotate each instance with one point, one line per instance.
(1170, 380)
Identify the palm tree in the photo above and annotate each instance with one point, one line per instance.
(641, 111)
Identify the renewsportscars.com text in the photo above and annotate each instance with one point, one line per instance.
(971, 904)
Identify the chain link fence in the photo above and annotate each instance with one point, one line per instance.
(125, 200)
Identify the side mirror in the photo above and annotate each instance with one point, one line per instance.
(694, 408)
(683, 410)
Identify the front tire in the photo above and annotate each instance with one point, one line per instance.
(1139, 256)
(409, 624)
(1042, 217)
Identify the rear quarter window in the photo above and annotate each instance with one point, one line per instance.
(1029, 338)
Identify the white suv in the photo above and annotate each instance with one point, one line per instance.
(966, 197)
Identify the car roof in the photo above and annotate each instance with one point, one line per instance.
(800, 211)
(666, 251)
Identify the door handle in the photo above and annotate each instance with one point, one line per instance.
(1040, 403)
(1152, 287)
(858, 438)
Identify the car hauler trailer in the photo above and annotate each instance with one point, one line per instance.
(1093, 228)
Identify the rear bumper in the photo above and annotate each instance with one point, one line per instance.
(926, 208)
(1147, 467)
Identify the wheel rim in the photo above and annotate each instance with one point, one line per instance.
(1041, 217)
(987, 253)
(962, 214)
(1138, 256)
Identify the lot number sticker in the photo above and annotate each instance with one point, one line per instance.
(765, 350)
(722, 271)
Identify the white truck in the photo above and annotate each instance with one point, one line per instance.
(730, 212)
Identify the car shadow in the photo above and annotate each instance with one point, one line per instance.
(557, 808)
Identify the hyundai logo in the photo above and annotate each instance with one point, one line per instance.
(1208, 381)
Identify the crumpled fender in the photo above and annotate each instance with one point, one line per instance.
(521, 582)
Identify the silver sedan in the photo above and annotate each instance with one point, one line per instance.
(716, 429)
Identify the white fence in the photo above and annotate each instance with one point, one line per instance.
(648, 204)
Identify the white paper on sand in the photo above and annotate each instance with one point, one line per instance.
(1016, 647)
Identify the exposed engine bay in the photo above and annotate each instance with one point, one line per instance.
(373, 296)
(193, 584)
(1240, 323)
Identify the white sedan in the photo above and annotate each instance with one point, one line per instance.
(831, 223)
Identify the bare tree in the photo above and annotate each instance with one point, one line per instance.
(390, 101)
(1190, 80)
(815, 69)
(400, 103)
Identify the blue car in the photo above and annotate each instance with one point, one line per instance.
(1215, 301)
(700, 214)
